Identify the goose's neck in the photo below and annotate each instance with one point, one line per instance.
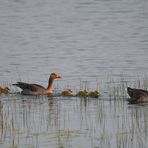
(49, 88)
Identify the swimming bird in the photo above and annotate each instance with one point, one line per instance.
(67, 93)
(94, 94)
(137, 95)
(4, 90)
(35, 89)
(82, 93)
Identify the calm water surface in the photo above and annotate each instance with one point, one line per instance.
(97, 41)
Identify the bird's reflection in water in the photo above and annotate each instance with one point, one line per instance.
(1, 106)
(51, 101)
(53, 112)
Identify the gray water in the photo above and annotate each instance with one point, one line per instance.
(83, 40)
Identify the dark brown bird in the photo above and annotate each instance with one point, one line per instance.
(137, 95)
(35, 89)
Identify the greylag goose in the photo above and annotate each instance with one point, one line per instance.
(35, 89)
(137, 95)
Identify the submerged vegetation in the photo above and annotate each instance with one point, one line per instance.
(118, 90)
(112, 89)
(78, 122)
(72, 123)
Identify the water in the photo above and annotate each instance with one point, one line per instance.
(72, 123)
(98, 41)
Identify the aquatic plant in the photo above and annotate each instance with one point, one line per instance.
(118, 89)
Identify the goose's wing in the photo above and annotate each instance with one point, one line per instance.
(137, 93)
(32, 87)
(143, 91)
(140, 93)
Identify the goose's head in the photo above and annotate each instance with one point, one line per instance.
(55, 76)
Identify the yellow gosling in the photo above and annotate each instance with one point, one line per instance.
(4, 90)
(67, 93)
(94, 94)
(83, 93)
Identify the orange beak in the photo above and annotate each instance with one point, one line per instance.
(58, 76)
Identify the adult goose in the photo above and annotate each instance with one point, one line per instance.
(35, 89)
(137, 95)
